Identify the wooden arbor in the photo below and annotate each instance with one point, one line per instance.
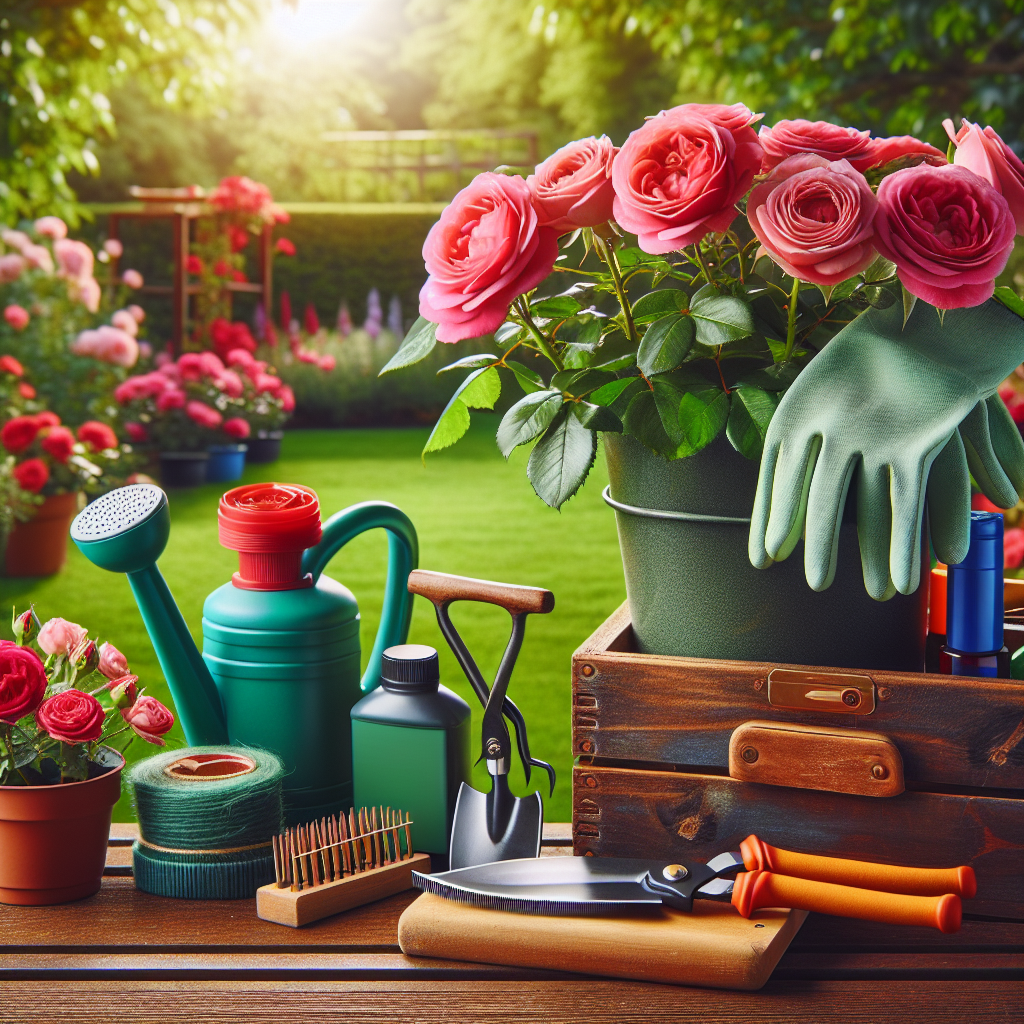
(182, 206)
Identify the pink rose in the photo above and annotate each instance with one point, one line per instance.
(892, 148)
(267, 382)
(792, 138)
(327, 363)
(190, 366)
(212, 365)
(948, 231)
(679, 176)
(172, 398)
(132, 278)
(136, 431)
(86, 292)
(71, 717)
(58, 636)
(51, 227)
(126, 322)
(237, 428)
(109, 345)
(113, 664)
(22, 681)
(74, 259)
(12, 266)
(573, 187)
(203, 415)
(815, 218)
(15, 239)
(149, 719)
(38, 256)
(485, 251)
(113, 247)
(137, 312)
(985, 153)
(230, 383)
(17, 317)
(287, 397)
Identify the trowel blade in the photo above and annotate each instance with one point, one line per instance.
(471, 842)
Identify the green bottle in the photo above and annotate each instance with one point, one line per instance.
(410, 747)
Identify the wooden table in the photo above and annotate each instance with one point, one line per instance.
(124, 955)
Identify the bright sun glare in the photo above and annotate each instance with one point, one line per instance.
(311, 21)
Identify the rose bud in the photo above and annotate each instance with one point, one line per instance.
(24, 627)
(113, 664)
(86, 657)
(124, 692)
(149, 719)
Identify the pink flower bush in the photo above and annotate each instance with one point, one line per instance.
(485, 251)
(16, 316)
(38, 256)
(815, 218)
(124, 320)
(51, 227)
(573, 187)
(74, 259)
(172, 398)
(679, 176)
(12, 266)
(58, 636)
(948, 231)
(985, 153)
(109, 345)
(230, 383)
(132, 278)
(204, 415)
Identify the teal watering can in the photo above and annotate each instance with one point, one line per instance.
(280, 661)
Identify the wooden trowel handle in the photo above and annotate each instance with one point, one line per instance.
(756, 889)
(442, 587)
(759, 856)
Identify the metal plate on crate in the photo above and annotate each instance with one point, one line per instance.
(843, 693)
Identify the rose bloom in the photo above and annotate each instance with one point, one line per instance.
(287, 397)
(71, 717)
(885, 150)
(285, 246)
(11, 365)
(132, 278)
(113, 247)
(790, 138)
(191, 367)
(124, 320)
(87, 292)
(46, 419)
(26, 390)
(149, 719)
(230, 383)
(985, 153)
(193, 265)
(239, 357)
(16, 316)
(237, 428)
(96, 436)
(573, 187)
(203, 414)
(38, 256)
(22, 681)
(58, 636)
(74, 259)
(679, 176)
(815, 218)
(172, 398)
(267, 383)
(59, 443)
(211, 364)
(18, 433)
(137, 312)
(948, 231)
(12, 266)
(136, 432)
(327, 363)
(486, 249)
(124, 691)
(31, 475)
(109, 345)
(51, 227)
(113, 664)
(15, 239)
(238, 237)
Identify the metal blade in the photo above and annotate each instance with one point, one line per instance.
(517, 828)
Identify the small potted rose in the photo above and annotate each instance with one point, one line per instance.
(63, 701)
(268, 404)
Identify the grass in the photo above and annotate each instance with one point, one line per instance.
(476, 515)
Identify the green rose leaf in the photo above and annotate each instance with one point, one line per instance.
(657, 303)
(480, 390)
(596, 417)
(559, 306)
(773, 378)
(581, 382)
(705, 291)
(614, 365)
(418, 344)
(880, 269)
(469, 363)
(750, 412)
(527, 419)
(506, 333)
(665, 344)
(610, 392)
(693, 411)
(528, 379)
(561, 459)
(1010, 299)
(721, 319)
(643, 420)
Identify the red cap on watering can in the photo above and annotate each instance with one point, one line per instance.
(269, 525)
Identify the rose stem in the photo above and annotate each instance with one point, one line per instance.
(609, 257)
(791, 326)
(543, 344)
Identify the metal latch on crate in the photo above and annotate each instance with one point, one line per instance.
(843, 693)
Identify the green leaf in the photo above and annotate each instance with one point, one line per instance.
(559, 306)
(705, 291)
(1010, 299)
(528, 380)
(596, 417)
(507, 332)
(777, 347)
(750, 412)
(577, 357)
(909, 301)
(620, 363)
(692, 409)
(561, 459)
(634, 257)
(655, 304)
(826, 291)
(418, 344)
(581, 382)
(480, 390)
(665, 344)
(772, 378)
(643, 421)
(722, 319)
(845, 289)
(527, 419)
(877, 295)
(607, 394)
(469, 363)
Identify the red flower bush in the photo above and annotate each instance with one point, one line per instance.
(59, 443)
(32, 475)
(18, 433)
(202, 414)
(71, 717)
(227, 336)
(11, 365)
(22, 681)
(97, 436)
(237, 428)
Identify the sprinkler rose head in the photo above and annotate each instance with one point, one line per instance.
(125, 530)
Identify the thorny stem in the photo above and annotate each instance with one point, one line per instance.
(703, 263)
(791, 325)
(542, 343)
(608, 255)
(718, 365)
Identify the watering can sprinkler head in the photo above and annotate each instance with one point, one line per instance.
(125, 530)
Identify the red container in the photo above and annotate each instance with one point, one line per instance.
(40, 546)
(53, 839)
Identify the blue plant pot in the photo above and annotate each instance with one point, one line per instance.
(226, 462)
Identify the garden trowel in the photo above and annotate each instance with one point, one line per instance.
(496, 825)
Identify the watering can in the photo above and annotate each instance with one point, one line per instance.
(280, 661)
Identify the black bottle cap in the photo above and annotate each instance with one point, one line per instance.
(410, 668)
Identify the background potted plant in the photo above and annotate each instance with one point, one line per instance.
(678, 327)
(63, 700)
(268, 404)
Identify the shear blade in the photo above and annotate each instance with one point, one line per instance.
(495, 826)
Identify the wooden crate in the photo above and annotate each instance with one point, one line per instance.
(654, 775)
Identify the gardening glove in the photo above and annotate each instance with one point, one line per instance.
(907, 409)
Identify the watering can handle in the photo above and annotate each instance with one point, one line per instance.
(403, 557)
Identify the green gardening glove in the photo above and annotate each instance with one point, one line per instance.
(908, 410)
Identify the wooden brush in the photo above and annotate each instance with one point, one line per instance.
(327, 866)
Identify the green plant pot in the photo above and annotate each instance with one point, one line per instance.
(692, 590)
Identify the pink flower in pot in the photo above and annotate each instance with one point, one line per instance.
(113, 664)
(71, 717)
(149, 719)
(22, 681)
(59, 636)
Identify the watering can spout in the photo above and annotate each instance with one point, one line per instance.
(126, 530)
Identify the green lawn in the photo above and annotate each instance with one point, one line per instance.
(476, 516)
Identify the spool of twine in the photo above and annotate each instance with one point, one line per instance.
(206, 815)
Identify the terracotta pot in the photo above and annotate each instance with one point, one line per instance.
(53, 839)
(40, 546)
